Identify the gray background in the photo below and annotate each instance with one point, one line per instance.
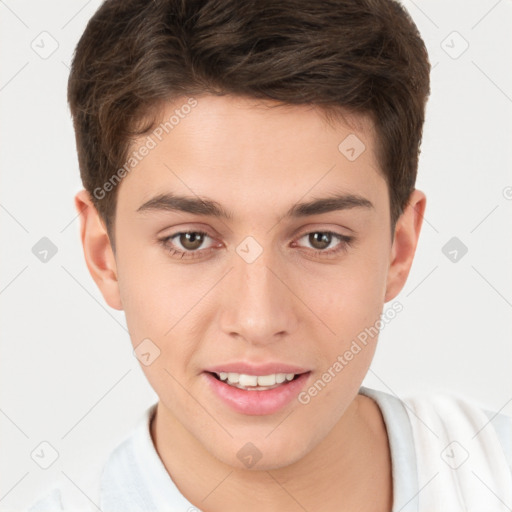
(68, 375)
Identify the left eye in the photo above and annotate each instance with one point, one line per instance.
(322, 240)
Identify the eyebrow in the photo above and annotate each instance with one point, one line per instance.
(204, 206)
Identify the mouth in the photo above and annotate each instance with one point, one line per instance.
(261, 390)
(255, 382)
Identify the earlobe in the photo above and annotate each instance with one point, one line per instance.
(98, 252)
(405, 241)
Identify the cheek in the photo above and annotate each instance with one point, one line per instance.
(152, 292)
(146, 295)
(351, 305)
(156, 310)
(162, 303)
(350, 302)
(145, 298)
(352, 296)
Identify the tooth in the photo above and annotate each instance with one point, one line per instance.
(233, 378)
(267, 380)
(255, 381)
(248, 380)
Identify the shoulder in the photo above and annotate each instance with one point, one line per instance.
(448, 453)
(66, 495)
(503, 426)
(435, 417)
(443, 417)
(88, 491)
(464, 455)
(51, 501)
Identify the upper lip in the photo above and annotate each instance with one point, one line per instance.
(256, 369)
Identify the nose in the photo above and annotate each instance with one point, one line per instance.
(258, 304)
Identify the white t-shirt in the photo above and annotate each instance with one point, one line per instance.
(447, 455)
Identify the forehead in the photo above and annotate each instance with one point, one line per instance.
(241, 149)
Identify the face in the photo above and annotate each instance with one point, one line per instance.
(277, 271)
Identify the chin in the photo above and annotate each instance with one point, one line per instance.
(259, 452)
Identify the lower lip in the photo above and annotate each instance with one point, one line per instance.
(256, 402)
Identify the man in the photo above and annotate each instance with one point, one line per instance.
(249, 202)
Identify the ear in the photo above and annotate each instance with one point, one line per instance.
(405, 240)
(98, 252)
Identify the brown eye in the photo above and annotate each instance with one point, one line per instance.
(191, 241)
(320, 240)
(185, 245)
(325, 243)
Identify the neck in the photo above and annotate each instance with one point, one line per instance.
(350, 469)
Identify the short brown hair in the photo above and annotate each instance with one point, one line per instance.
(363, 56)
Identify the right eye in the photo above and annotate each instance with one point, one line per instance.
(186, 244)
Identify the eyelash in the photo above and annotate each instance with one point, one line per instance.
(344, 243)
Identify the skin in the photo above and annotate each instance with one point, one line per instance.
(292, 304)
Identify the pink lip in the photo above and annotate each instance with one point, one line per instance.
(256, 369)
(255, 402)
